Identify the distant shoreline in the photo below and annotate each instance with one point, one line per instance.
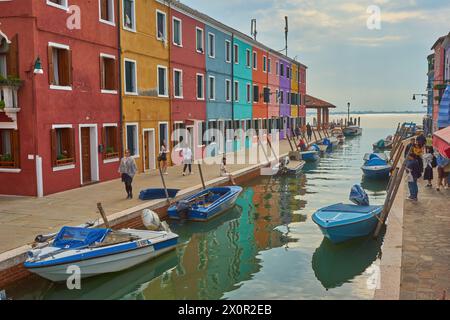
(372, 112)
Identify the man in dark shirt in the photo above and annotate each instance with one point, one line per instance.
(409, 146)
(309, 131)
(413, 174)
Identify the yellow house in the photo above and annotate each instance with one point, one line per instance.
(294, 89)
(144, 42)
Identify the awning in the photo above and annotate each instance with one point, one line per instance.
(444, 109)
(441, 141)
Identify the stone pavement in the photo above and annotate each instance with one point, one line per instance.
(22, 218)
(425, 270)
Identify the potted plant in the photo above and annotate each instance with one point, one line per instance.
(10, 81)
(2, 105)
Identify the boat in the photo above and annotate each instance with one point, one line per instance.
(342, 222)
(339, 135)
(291, 166)
(97, 251)
(312, 154)
(352, 131)
(329, 143)
(206, 204)
(384, 144)
(271, 169)
(154, 194)
(376, 166)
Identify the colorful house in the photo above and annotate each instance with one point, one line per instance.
(302, 94)
(260, 87)
(273, 108)
(439, 84)
(188, 66)
(285, 90)
(60, 122)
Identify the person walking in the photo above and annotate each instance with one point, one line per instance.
(128, 169)
(309, 131)
(418, 151)
(421, 140)
(443, 165)
(413, 174)
(224, 171)
(409, 146)
(429, 162)
(187, 159)
(163, 157)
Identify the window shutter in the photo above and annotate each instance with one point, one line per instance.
(15, 148)
(72, 144)
(102, 73)
(104, 132)
(53, 147)
(51, 76)
(69, 68)
(12, 59)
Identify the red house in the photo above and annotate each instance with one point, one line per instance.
(61, 118)
(188, 50)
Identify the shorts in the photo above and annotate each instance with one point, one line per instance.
(441, 173)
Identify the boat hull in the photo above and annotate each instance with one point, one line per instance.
(376, 172)
(106, 264)
(352, 132)
(310, 156)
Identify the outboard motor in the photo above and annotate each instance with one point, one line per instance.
(358, 196)
(151, 221)
(183, 207)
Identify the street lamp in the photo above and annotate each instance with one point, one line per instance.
(419, 94)
(38, 66)
(348, 117)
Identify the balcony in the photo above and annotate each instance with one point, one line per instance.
(8, 97)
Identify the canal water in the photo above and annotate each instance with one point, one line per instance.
(265, 248)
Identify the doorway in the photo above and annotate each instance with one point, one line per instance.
(149, 149)
(88, 154)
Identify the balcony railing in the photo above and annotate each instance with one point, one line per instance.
(8, 97)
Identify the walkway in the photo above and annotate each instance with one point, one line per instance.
(425, 272)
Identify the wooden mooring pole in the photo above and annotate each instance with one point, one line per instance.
(103, 214)
(164, 185)
(201, 175)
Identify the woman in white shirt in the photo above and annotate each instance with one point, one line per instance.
(187, 159)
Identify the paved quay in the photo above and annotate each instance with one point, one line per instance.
(425, 268)
(22, 218)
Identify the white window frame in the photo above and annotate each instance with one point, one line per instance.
(129, 124)
(265, 64)
(135, 93)
(203, 40)
(277, 67)
(269, 65)
(63, 47)
(255, 60)
(64, 7)
(236, 91)
(111, 5)
(249, 93)
(164, 38)
(226, 51)
(213, 45)
(181, 84)
(133, 18)
(248, 58)
(166, 81)
(108, 56)
(69, 166)
(228, 90)
(203, 86)
(212, 89)
(181, 32)
(236, 54)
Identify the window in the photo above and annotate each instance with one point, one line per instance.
(63, 146)
(236, 54)
(178, 83)
(108, 73)
(249, 93)
(281, 96)
(236, 91)
(297, 75)
(201, 131)
(266, 95)
(132, 139)
(177, 32)
(281, 69)
(130, 77)
(162, 82)
(255, 60)
(228, 90)
(62, 4)
(277, 96)
(60, 65)
(3, 69)
(227, 51)
(129, 20)
(164, 134)
(107, 11)
(110, 142)
(199, 40)
(288, 72)
(288, 97)
(161, 33)
(200, 87)
(247, 58)
(211, 45)
(265, 64)
(269, 66)
(255, 93)
(212, 88)
(9, 149)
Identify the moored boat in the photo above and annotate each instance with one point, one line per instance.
(352, 131)
(291, 166)
(205, 204)
(97, 251)
(376, 166)
(312, 154)
(383, 144)
(155, 193)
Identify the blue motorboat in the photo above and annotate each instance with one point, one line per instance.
(154, 194)
(312, 154)
(205, 205)
(342, 222)
(376, 166)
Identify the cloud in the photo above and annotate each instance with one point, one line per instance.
(376, 41)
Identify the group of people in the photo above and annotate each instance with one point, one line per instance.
(421, 161)
(128, 168)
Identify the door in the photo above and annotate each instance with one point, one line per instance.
(223, 139)
(149, 150)
(86, 154)
(190, 139)
(146, 151)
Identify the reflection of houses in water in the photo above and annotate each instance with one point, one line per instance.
(218, 256)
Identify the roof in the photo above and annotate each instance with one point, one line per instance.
(316, 103)
(214, 22)
(438, 41)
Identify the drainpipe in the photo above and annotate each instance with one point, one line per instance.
(233, 126)
(170, 125)
(120, 82)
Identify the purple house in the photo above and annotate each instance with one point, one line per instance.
(285, 74)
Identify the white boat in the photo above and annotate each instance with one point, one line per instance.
(271, 169)
(97, 251)
(353, 131)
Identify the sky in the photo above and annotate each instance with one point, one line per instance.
(376, 69)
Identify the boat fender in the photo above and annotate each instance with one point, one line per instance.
(151, 220)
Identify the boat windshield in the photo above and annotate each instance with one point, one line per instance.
(72, 237)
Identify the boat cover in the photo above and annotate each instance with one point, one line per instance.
(73, 237)
(358, 196)
(314, 147)
(441, 141)
(349, 208)
(327, 142)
